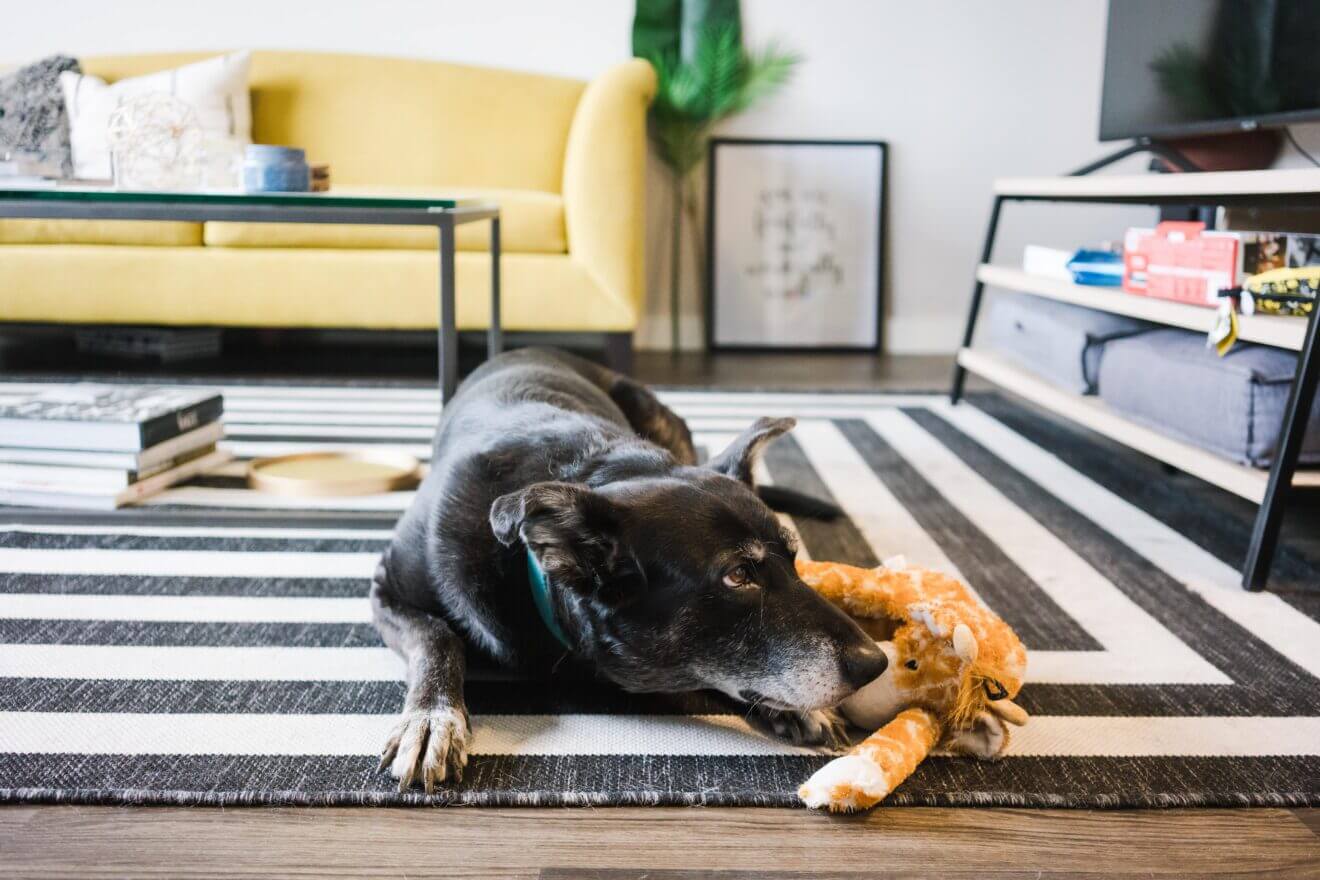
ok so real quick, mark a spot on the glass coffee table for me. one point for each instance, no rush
(444, 213)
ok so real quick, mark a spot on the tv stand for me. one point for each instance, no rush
(1271, 490)
(1141, 145)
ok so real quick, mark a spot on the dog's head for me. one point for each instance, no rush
(687, 581)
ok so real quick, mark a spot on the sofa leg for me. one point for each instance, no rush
(619, 352)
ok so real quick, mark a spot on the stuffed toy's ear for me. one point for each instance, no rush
(964, 643)
(571, 530)
(737, 460)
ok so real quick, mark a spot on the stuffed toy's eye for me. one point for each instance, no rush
(911, 664)
(739, 576)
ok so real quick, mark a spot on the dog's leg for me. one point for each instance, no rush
(652, 420)
(429, 744)
(820, 728)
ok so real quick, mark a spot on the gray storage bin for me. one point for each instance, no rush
(1059, 342)
(1169, 380)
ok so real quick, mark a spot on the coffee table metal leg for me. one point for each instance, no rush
(447, 325)
(494, 335)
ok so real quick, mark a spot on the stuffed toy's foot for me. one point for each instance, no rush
(863, 777)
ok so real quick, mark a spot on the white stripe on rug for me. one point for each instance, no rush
(273, 428)
(189, 563)
(1265, 615)
(129, 528)
(337, 417)
(878, 515)
(713, 735)
(211, 609)
(271, 448)
(1149, 650)
(200, 663)
(206, 496)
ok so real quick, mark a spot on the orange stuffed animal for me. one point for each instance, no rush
(954, 668)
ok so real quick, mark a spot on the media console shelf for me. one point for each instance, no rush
(1274, 189)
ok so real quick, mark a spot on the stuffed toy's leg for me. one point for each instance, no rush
(876, 766)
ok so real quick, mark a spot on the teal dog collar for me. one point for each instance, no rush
(541, 597)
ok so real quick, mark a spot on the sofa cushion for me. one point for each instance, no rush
(530, 222)
(151, 233)
(298, 287)
(1169, 380)
(1058, 341)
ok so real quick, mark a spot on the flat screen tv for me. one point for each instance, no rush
(1175, 68)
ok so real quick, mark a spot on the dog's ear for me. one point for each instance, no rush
(737, 460)
(572, 531)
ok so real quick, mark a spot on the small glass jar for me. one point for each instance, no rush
(268, 168)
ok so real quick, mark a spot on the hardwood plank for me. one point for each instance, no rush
(915, 874)
(349, 842)
(1310, 817)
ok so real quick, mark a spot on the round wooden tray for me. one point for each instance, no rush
(334, 473)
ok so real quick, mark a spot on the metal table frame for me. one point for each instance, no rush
(202, 208)
(1269, 518)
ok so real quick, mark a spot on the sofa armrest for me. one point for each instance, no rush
(605, 179)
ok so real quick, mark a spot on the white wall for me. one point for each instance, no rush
(963, 91)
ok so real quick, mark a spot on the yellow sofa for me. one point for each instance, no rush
(563, 158)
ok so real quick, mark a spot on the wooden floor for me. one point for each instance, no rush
(668, 844)
(652, 843)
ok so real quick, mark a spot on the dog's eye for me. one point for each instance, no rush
(911, 664)
(739, 576)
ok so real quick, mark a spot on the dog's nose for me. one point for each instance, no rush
(863, 664)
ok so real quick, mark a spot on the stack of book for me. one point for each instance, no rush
(102, 446)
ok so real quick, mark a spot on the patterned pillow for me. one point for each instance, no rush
(216, 89)
(32, 115)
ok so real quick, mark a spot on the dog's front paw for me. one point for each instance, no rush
(427, 747)
(819, 728)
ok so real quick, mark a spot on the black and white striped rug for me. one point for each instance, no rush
(214, 645)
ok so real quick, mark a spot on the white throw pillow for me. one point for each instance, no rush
(217, 90)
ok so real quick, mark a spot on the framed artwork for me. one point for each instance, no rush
(795, 245)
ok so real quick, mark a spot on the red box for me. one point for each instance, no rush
(1181, 261)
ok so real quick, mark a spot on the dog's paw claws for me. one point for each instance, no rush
(427, 748)
(825, 729)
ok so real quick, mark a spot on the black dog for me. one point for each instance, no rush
(662, 575)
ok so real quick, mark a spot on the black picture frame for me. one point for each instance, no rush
(712, 293)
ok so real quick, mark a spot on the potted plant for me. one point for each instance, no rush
(705, 75)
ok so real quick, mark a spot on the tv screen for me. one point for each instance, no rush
(1183, 67)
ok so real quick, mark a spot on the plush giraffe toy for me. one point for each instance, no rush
(954, 668)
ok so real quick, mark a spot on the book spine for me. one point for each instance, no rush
(171, 425)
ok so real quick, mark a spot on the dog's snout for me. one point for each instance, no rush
(863, 664)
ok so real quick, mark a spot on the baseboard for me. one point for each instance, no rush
(904, 334)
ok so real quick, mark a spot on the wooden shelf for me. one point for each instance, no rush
(1095, 414)
(1275, 330)
(1299, 181)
